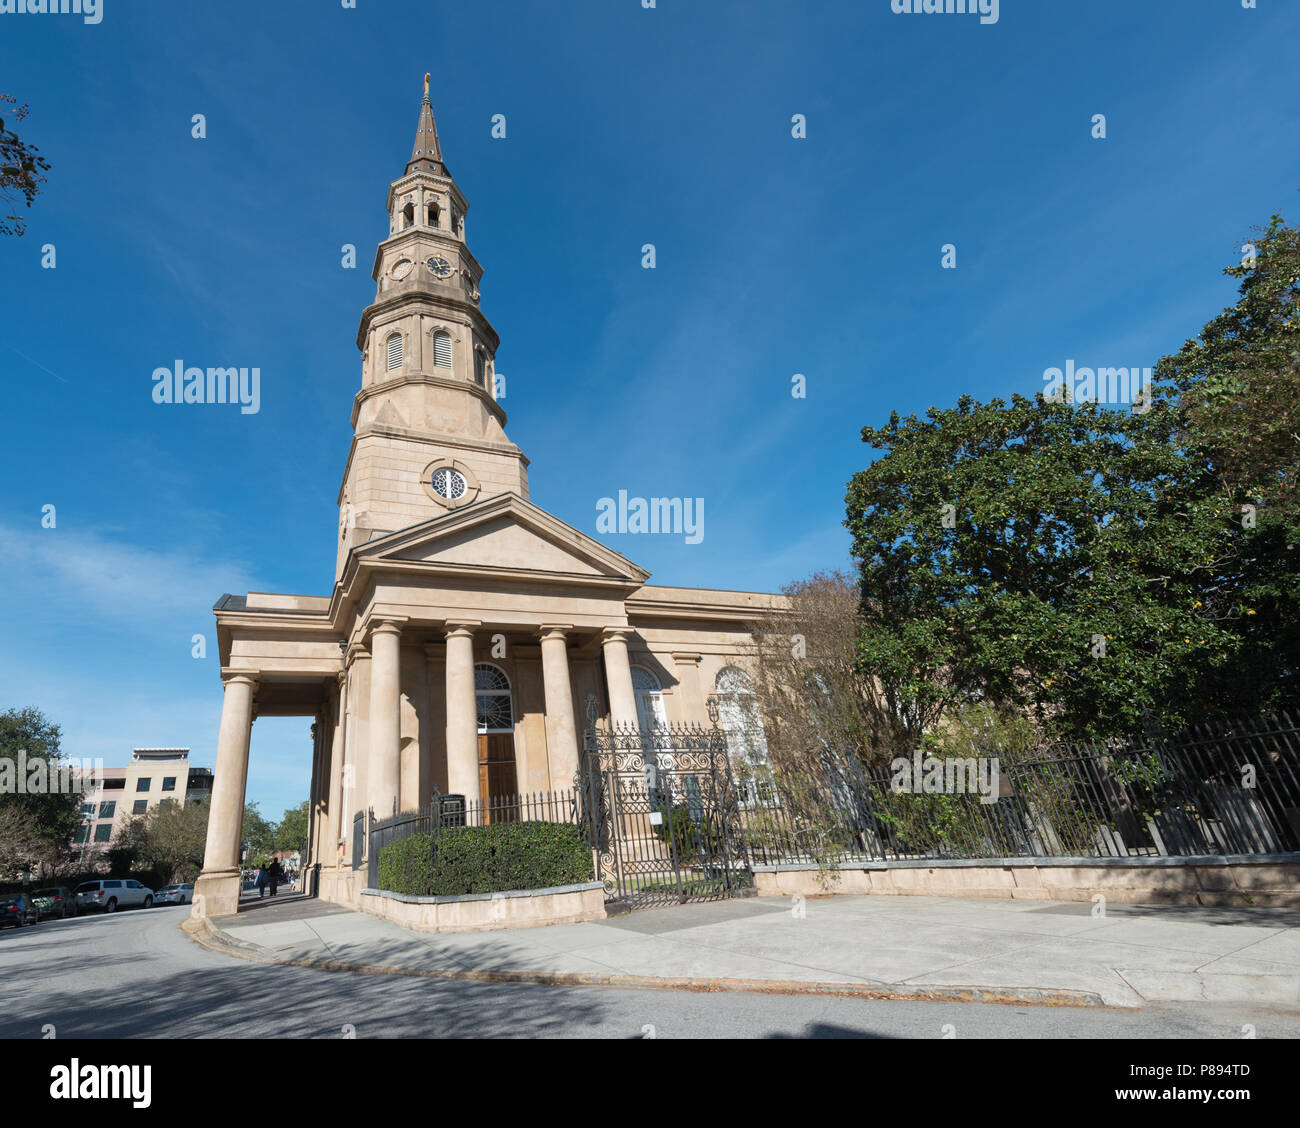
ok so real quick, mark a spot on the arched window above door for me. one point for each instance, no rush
(493, 698)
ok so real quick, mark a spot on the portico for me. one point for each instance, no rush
(467, 628)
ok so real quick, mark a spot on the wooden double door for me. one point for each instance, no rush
(498, 780)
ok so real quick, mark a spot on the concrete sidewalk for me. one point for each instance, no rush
(878, 947)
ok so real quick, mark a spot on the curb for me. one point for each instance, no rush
(205, 933)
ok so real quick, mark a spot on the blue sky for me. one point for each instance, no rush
(625, 126)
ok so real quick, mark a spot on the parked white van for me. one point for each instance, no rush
(112, 894)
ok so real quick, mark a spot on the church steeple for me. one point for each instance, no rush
(429, 428)
(426, 153)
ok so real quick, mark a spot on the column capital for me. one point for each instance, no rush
(554, 630)
(462, 628)
(615, 634)
(385, 624)
(246, 677)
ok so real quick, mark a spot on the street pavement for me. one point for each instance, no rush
(137, 974)
(905, 947)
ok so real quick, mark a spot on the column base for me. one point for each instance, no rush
(216, 894)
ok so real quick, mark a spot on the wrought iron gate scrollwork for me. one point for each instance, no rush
(664, 815)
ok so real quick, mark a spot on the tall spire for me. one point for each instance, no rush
(426, 154)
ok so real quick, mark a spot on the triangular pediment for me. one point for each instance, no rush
(503, 535)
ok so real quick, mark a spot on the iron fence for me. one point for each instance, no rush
(664, 816)
(1230, 787)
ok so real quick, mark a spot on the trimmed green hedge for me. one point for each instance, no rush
(487, 859)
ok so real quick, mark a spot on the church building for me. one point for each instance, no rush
(468, 629)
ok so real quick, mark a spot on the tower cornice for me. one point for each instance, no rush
(411, 379)
(414, 234)
(418, 295)
(411, 180)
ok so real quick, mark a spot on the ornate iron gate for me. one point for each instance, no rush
(664, 815)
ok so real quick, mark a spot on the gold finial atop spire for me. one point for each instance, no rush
(426, 84)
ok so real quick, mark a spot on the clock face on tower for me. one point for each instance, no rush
(439, 267)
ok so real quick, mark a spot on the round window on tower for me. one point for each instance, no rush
(449, 483)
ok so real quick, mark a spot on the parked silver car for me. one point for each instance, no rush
(112, 894)
(174, 895)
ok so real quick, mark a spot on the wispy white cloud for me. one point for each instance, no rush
(87, 573)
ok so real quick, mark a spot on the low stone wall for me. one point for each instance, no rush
(478, 912)
(1264, 881)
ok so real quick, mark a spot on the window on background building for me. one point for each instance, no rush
(103, 832)
(169, 783)
(140, 806)
(82, 836)
(441, 349)
(87, 810)
(394, 346)
(480, 368)
(114, 784)
(142, 784)
(107, 810)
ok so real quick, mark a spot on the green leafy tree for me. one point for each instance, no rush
(291, 833)
(22, 168)
(168, 839)
(259, 833)
(1237, 385)
(38, 825)
(1042, 555)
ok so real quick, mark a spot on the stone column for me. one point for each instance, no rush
(462, 712)
(334, 823)
(561, 732)
(216, 893)
(384, 774)
(618, 673)
(314, 803)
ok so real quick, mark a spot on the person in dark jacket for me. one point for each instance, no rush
(274, 872)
